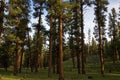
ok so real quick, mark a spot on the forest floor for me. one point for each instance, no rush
(112, 72)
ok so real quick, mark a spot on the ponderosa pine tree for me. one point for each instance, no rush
(100, 9)
(14, 20)
(50, 20)
(18, 18)
(77, 32)
(38, 7)
(23, 27)
(60, 17)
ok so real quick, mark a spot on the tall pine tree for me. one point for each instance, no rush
(100, 9)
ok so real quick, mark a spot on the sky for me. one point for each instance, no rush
(88, 18)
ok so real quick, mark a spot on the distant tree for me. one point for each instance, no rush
(119, 30)
(113, 32)
(94, 47)
(89, 41)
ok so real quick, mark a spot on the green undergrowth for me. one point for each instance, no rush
(112, 72)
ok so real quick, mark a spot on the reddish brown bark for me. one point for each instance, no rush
(17, 59)
(61, 74)
(21, 58)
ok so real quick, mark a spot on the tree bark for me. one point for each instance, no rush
(30, 57)
(21, 58)
(50, 50)
(57, 53)
(61, 75)
(77, 37)
(17, 59)
(82, 38)
(37, 52)
(99, 18)
(78, 61)
(1, 13)
(37, 43)
(101, 49)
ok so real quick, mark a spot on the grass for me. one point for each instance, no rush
(92, 69)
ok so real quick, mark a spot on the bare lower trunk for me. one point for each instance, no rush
(101, 51)
(50, 51)
(36, 62)
(78, 61)
(77, 37)
(17, 59)
(58, 65)
(61, 74)
(54, 61)
(82, 39)
(21, 59)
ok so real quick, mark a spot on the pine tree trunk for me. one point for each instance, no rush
(61, 75)
(1, 13)
(101, 51)
(21, 58)
(37, 43)
(37, 53)
(50, 51)
(54, 56)
(77, 37)
(82, 37)
(114, 46)
(17, 59)
(78, 61)
(58, 60)
(30, 57)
